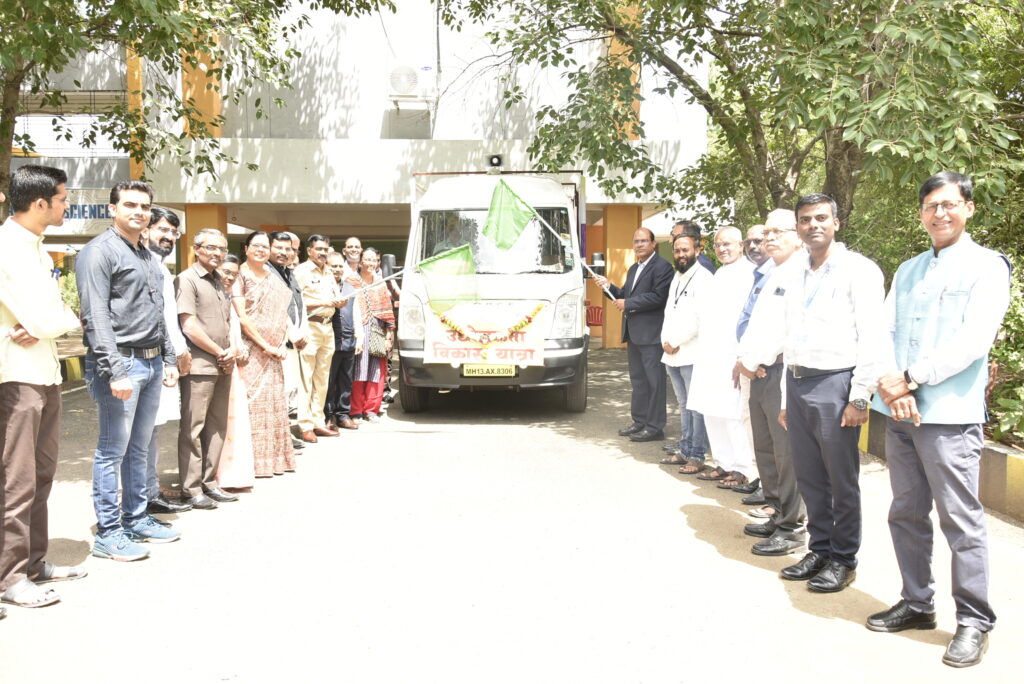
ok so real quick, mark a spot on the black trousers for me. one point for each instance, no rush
(650, 382)
(339, 387)
(827, 463)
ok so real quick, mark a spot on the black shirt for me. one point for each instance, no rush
(121, 290)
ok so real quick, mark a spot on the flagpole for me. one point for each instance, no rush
(544, 223)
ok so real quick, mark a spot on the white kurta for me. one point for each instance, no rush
(721, 304)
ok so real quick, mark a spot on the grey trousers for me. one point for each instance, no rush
(940, 463)
(204, 422)
(771, 451)
(827, 463)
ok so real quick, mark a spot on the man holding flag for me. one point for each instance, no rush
(642, 303)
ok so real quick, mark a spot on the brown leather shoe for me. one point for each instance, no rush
(325, 432)
(309, 436)
(348, 424)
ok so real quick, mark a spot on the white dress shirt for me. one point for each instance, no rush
(29, 296)
(834, 317)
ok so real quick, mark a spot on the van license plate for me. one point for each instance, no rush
(483, 370)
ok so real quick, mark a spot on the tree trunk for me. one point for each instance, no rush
(843, 161)
(8, 117)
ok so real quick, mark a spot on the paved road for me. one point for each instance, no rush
(493, 539)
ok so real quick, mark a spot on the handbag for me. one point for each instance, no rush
(378, 345)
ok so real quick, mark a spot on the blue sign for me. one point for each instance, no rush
(87, 211)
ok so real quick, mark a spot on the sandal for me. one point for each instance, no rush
(732, 479)
(717, 473)
(674, 459)
(27, 595)
(692, 467)
(59, 573)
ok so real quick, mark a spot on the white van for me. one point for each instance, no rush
(524, 325)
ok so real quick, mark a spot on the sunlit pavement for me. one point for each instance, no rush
(494, 538)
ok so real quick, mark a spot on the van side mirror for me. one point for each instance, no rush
(387, 264)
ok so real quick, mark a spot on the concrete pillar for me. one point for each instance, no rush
(620, 222)
(133, 86)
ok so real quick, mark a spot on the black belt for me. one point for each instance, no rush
(150, 353)
(800, 372)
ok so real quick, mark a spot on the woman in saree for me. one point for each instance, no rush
(261, 301)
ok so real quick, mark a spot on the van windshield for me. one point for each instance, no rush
(536, 250)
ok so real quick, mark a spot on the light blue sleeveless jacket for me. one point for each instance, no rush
(932, 295)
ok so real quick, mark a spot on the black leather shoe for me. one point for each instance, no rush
(765, 529)
(647, 436)
(631, 430)
(967, 647)
(809, 566)
(749, 487)
(780, 543)
(220, 496)
(297, 444)
(833, 577)
(671, 448)
(161, 504)
(900, 617)
(202, 502)
(755, 499)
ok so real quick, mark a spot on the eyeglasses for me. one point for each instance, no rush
(753, 241)
(174, 232)
(212, 249)
(263, 247)
(947, 206)
(773, 233)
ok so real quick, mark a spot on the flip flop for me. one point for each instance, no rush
(59, 573)
(675, 459)
(717, 473)
(692, 467)
(27, 595)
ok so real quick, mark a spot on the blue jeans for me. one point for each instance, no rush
(126, 428)
(694, 441)
(152, 455)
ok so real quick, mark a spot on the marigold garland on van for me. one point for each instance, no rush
(487, 339)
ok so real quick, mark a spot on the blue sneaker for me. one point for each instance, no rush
(117, 546)
(148, 529)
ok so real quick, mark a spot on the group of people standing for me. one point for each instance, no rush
(775, 360)
(220, 347)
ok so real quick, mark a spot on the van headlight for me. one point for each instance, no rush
(566, 319)
(411, 324)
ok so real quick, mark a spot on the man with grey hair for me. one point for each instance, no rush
(760, 360)
(715, 394)
(204, 309)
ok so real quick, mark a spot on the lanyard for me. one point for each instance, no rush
(683, 291)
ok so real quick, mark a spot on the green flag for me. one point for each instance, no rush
(507, 217)
(450, 278)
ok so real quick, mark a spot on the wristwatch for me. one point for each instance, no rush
(860, 404)
(911, 384)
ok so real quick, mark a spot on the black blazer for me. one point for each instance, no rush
(645, 301)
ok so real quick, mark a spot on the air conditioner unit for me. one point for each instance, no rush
(412, 82)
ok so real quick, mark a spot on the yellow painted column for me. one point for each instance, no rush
(203, 91)
(595, 295)
(620, 222)
(133, 85)
(197, 217)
